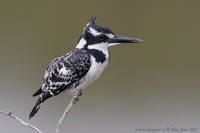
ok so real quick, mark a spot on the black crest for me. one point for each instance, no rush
(92, 21)
(91, 38)
(92, 24)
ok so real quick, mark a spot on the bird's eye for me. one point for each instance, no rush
(103, 37)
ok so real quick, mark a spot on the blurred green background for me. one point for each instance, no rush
(154, 84)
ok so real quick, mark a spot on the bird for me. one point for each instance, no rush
(77, 69)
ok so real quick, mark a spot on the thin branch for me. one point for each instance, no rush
(20, 120)
(75, 98)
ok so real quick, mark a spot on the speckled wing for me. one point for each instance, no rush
(60, 74)
(64, 71)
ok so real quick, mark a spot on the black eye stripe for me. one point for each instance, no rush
(102, 37)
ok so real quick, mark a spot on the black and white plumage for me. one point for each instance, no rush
(80, 67)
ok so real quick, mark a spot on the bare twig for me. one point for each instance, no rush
(20, 120)
(75, 98)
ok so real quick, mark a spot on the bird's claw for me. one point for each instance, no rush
(79, 92)
(76, 97)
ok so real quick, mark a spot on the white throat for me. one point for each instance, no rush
(103, 47)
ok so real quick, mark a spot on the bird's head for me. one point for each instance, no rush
(95, 36)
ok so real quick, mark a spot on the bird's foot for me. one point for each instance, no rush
(79, 92)
(76, 97)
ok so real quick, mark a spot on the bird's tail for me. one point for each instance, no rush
(43, 97)
(36, 107)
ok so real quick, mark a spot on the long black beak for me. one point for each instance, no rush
(123, 39)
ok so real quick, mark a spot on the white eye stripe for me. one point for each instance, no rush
(109, 35)
(94, 32)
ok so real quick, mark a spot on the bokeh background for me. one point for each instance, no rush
(155, 84)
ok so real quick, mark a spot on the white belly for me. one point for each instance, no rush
(94, 72)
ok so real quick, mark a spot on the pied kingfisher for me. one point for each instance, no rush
(83, 65)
